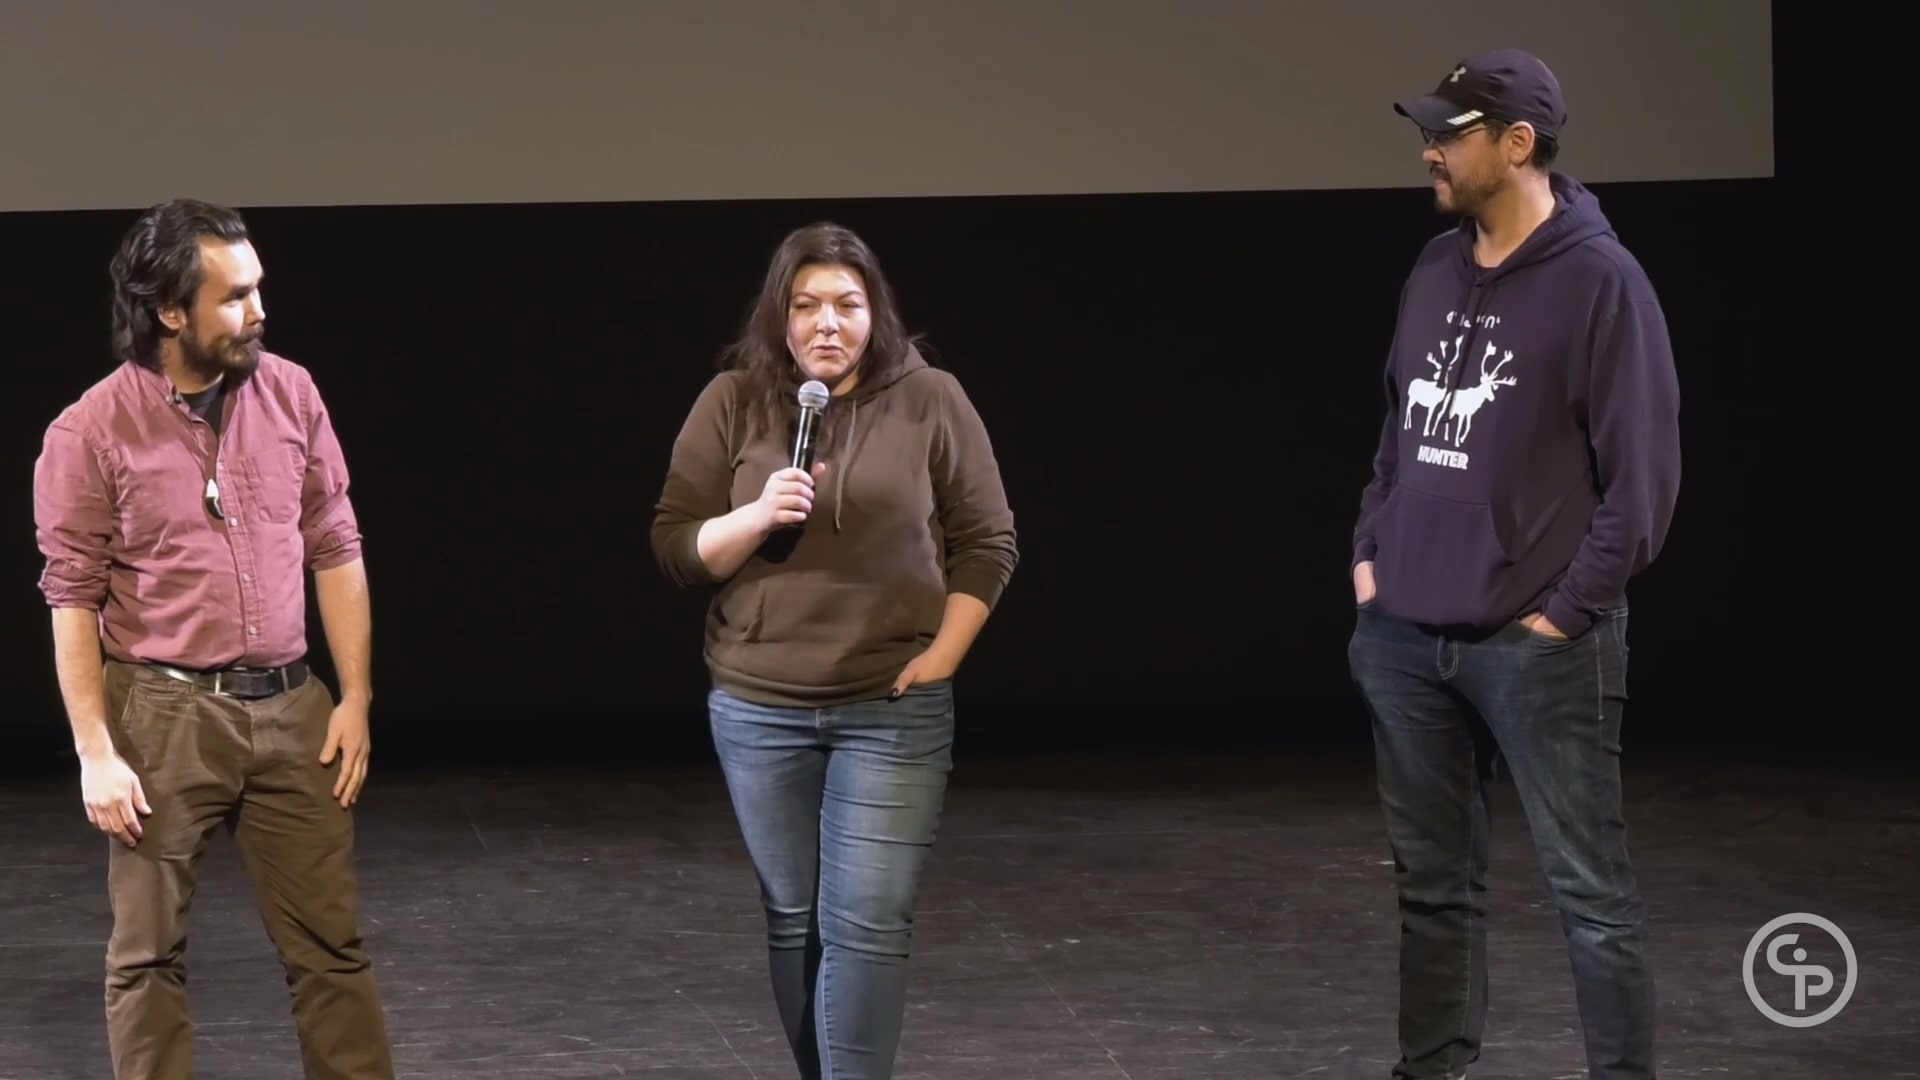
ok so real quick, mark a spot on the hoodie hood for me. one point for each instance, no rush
(867, 388)
(1576, 219)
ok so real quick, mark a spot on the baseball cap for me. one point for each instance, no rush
(1508, 85)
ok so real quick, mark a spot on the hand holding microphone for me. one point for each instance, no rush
(787, 498)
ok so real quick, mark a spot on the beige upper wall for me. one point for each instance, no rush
(276, 102)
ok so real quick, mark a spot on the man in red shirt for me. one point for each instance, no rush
(179, 504)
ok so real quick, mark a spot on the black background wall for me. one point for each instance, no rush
(1163, 376)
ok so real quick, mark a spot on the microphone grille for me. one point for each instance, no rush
(813, 394)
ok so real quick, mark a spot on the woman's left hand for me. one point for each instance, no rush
(930, 666)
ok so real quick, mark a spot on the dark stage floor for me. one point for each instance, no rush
(1142, 918)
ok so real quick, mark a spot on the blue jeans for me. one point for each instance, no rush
(839, 808)
(1445, 710)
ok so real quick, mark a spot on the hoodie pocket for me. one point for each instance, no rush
(1439, 560)
(812, 611)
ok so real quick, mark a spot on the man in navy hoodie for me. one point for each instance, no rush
(1527, 470)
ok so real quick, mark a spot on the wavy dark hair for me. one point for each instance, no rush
(158, 266)
(772, 374)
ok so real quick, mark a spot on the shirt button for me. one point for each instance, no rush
(254, 630)
(246, 577)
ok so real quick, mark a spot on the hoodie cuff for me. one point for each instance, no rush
(979, 580)
(684, 557)
(1364, 549)
(1566, 618)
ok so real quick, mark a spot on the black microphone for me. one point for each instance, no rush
(813, 400)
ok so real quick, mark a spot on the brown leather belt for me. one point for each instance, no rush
(242, 682)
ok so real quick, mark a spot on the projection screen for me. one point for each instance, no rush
(460, 101)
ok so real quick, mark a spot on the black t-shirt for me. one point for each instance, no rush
(206, 404)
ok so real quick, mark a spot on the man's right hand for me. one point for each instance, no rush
(1363, 587)
(113, 797)
(788, 497)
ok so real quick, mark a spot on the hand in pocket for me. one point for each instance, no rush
(1364, 589)
(1538, 623)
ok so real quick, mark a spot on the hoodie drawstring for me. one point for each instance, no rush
(1470, 331)
(1477, 301)
(840, 480)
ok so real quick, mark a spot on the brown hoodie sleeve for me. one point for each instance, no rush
(971, 502)
(699, 476)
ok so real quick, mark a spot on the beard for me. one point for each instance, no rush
(234, 356)
(1460, 199)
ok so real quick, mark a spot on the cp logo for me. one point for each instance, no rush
(1809, 980)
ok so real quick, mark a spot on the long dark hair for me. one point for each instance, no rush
(772, 374)
(158, 266)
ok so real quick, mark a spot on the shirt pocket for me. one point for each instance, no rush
(274, 480)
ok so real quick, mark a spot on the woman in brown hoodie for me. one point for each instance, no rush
(844, 598)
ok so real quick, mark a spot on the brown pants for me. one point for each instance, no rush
(204, 760)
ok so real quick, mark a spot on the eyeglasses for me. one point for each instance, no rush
(1442, 139)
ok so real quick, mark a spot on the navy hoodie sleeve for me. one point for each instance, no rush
(1386, 459)
(1633, 423)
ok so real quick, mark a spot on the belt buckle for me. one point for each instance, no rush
(276, 682)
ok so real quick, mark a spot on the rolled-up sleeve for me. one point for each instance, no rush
(328, 525)
(72, 517)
